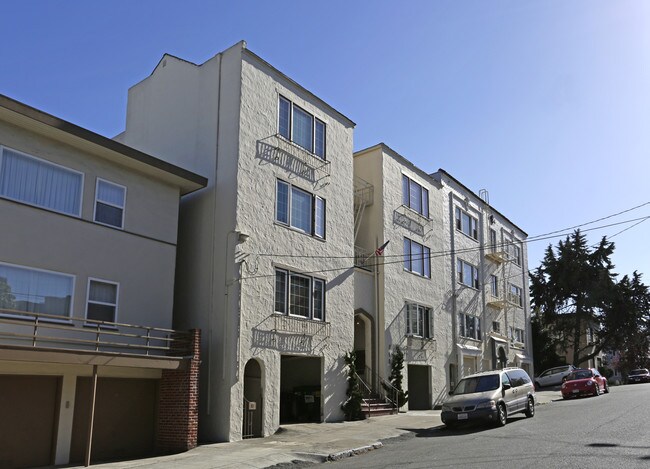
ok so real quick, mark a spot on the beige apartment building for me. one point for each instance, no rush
(87, 260)
(266, 252)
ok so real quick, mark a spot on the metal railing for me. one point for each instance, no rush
(25, 329)
(375, 385)
(294, 325)
(249, 413)
(291, 155)
(364, 259)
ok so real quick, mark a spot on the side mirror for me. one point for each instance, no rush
(506, 386)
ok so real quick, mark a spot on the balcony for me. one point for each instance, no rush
(278, 150)
(496, 255)
(56, 339)
(364, 259)
(305, 327)
(496, 302)
(412, 220)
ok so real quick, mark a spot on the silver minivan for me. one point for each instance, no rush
(490, 396)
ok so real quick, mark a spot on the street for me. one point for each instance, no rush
(610, 430)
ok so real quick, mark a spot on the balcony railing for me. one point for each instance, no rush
(47, 331)
(364, 259)
(278, 150)
(294, 325)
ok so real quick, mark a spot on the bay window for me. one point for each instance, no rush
(299, 295)
(419, 321)
(417, 258)
(302, 128)
(467, 274)
(300, 209)
(469, 326)
(466, 223)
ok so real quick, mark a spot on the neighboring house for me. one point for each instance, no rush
(399, 297)
(266, 251)
(587, 342)
(87, 259)
(452, 286)
(488, 297)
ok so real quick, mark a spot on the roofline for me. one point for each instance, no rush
(97, 139)
(295, 83)
(440, 170)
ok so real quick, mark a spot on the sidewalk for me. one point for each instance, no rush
(313, 442)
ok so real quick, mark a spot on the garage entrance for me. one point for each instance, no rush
(125, 417)
(419, 379)
(28, 417)
(300, 389)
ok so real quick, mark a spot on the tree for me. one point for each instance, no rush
(352, 406)
(396, 377)
(7, 299)
(571, 291)
(544, 348)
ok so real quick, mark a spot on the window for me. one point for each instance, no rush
(35, 291)
(299, 126)
(300, 209)
(516, 295)
(109, 203)
(419, 321)
(496, 327)
(415, 196)
(467, 274)
(466, 223)
(469, 326)
(493, 240)
(516, 335)
(494, 286)
(515, 253)
(299, 295)
(102, 300)
(417, 258)
(37, 182)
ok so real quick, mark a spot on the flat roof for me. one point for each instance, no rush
(186, 180)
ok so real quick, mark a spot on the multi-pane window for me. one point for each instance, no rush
(102, 300)
(299, 295)
(515, 295)
(417, 258)
(516, 335)
(469, 326)
(467, 274)
(496, 327)
(35, 291)
(466, 223)
(515, 253)
(419, 321)
(302, 128)
(41, 183)
(300, 209)
(493, 240)
(415, 196)
(494, 286)
(109, 203)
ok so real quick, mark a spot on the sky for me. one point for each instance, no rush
(546, 104)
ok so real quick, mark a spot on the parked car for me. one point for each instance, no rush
(490, 396)
(584, 382)
(641, 375)
(553, 376)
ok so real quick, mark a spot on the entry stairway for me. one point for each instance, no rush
(379, 396)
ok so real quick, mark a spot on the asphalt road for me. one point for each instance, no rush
(611, 430)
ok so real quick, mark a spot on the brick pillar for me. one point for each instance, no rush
(178, 399)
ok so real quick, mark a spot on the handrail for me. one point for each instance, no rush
(26, 329)
(381, 387)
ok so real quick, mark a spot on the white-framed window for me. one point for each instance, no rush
(419, 321)
(469, 326)
(26, 178)
(29, 290)
(301, 127)
(299, 295)
(102, 299)
(417, 258)
(494, 286)
(515, 253)
(516, 335)
(110, 200)
(300, 209)
(496, 327)
(415, 196)
(467, 273)
(466, 223)
(515, 295)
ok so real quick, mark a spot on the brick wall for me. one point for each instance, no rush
(178, 418)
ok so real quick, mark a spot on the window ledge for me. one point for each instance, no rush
(466, 235)
(416, 274)
(299, 231)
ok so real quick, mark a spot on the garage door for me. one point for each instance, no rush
(125, 413)
(28, 416)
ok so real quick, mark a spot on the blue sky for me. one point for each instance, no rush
(546, 104)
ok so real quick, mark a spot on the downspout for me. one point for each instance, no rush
(454, 293)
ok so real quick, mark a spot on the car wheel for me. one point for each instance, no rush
(596, 389)
(530, 409)
(502, 415)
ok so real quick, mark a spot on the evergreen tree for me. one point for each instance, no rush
(396, 377)
(352, 406)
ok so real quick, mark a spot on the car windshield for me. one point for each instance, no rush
(477, 384)
(641, 371)
(582, 374)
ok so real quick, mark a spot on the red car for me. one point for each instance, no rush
(584, 382)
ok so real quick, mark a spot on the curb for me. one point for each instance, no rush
(353, 452)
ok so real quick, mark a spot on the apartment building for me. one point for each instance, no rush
(450, 288)
(265, 251)
(489, 296)
(87, 259)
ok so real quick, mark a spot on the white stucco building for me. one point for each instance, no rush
(265, 252)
